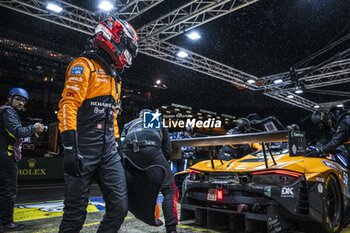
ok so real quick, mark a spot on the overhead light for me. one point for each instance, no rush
(182, 54)
(278, 81)
(340, 105)
(193, 36)
(158, 82)
(290, 96)
(251, 81)
(298, 91)
(105, 5)
(317, 106)
(54, 7)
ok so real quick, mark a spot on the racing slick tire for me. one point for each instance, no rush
(332, 217)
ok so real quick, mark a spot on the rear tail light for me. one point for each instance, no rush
(282, 177)
(219, 194)
(196, 175)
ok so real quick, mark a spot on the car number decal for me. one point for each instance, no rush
(211, 195)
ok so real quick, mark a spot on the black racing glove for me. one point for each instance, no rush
(73, 162)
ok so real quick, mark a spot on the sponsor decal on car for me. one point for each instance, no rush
(294, 149)
(211, 195)
(320, 188)
(287, 192)
(267, 191)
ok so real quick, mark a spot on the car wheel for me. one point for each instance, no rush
(334, 206)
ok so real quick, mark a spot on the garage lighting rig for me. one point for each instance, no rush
(155, 34)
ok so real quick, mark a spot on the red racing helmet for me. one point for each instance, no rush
(118, 39)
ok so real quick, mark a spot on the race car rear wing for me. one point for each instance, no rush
(296, 139)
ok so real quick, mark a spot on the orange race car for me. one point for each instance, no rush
(280, 187)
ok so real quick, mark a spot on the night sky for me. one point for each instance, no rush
(264, 38)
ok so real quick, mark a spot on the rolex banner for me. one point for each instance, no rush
(35, 168)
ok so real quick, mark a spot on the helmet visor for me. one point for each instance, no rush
(128, 58)
(132, 47)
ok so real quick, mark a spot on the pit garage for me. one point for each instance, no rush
(251, 92)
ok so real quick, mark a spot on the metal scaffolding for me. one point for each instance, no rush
(167, 52)
(135, 8)
(331, 74)
(191, 15)
(75, 17)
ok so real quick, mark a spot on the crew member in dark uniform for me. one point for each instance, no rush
(323, 129)
(148, 148)
(340, 122)
(11, 131)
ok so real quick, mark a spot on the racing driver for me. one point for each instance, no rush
(88, 126)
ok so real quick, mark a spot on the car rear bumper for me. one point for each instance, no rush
(276, 206)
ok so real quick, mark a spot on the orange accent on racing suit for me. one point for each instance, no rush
(89, 101)
(88, 107)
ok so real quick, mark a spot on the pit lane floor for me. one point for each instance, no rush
(48, 222)
(130, 225)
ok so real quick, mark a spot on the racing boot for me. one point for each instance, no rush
(158, 222)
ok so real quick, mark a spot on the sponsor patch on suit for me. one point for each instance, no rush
(77, 70)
